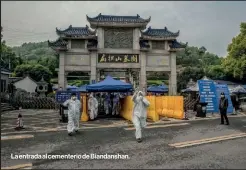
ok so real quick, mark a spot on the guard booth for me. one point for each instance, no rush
(61, 97)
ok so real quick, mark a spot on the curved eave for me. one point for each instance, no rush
(63, 34)
(181, 46)
(59, 48)
(91, 31)
(160, 38)
(54, 45)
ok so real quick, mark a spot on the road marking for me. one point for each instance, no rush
(22, 132)
(16, 137)
(59, 129)
(207, 140)
(157, 126)
(21, 166)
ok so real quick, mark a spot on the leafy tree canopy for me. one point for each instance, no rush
(235, 62)
(35, 71)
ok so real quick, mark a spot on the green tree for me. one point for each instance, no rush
(8, 57)
(235, 62)
(35, 71)
(216, 72)
(187, 74)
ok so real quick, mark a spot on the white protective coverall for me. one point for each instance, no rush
(92, 107)
(74, 112)
(116, 105)
(107, 104)
(139, 113)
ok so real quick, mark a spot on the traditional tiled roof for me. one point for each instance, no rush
(159, 33)
(176, 45)
(125, 20)
(58, 44)
(113, 18)
(76, 32)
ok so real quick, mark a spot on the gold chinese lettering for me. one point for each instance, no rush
(126, 59)
(118, 59)
(103, 59)
(109, 59)
(134, 59)
(112, 58)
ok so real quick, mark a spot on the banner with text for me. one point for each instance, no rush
(62, 96)
(208, 94)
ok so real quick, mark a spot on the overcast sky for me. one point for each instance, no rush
(209, 24)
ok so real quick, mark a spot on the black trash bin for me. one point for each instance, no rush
(201, 109)
(64, 113)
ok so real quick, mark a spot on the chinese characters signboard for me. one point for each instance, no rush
(62, 96)
(118, 58)
(208, 94)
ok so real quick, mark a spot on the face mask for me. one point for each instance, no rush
(73, 98)
(222, 96)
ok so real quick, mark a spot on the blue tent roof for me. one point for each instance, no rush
(163, 87)
(157, 89)
(109, 84)
(82, 88)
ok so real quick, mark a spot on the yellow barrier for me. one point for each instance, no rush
(84, 115)
(127, 108)
(152, 113)
(158, 104)
(164, 106)
(179, 108)
(170, 106)
(173, 107)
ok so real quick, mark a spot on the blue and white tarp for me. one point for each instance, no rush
(208, 94)
(62, 96)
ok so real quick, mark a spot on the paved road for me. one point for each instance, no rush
(154, 152)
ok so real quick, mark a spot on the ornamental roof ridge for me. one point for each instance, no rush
(117, 18)
(76, 31)
(160, 32)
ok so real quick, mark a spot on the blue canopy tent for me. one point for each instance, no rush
(157, 89)
(109, 85)
(164, 87)
(186, 90)
(71, 88)
(239, 90)
(82, 88)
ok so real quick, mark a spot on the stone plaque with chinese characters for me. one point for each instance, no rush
(77, 60)
(158, 60)
(118, 38)
(118, 58)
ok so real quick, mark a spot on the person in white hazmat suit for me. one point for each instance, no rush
(92, 107)
(74, 112)
(139, 113)
(116, 104)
